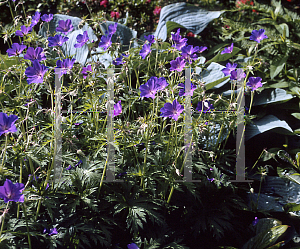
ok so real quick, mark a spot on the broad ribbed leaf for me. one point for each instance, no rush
(189, 16)
(269, 96)
(291, 207)
(267, 123)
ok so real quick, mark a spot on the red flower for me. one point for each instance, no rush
(148, 1)
(115, 14)
(157, 10)
(104, 3)
(190, 34)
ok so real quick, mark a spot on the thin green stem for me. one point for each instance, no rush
(28, 234)
(4, 213)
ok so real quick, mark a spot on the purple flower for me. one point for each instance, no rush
(211, 179)
(201, 49)
(178, 64)
(150, 38)
(229, 67)
(47, 18)
(35, 54)
(188, 53)
(105, 42)
(182, 90)
(178, 40)
(132, 246)
(81, 39)
(146, 49)
(51, 231)
(119, 60)
(172, 110)
(85, 70)
(12, 192)
(69, 167)
(254, 83)
(149, 89)
(35, 19)
(161, 83)
(255, 221)
(237, 75)
(36, 73)
(111, 29)
(117, 109)
(65, 65)
(7, 123)
(15, 49)
(204, 106)
(258, 35)
(57, 40)
(64, 26)
(228, 50)
(24, 31)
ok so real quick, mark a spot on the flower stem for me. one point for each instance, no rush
(2, 225)
(28, 234)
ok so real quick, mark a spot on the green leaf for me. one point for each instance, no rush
(224, 57)
(294, 45)
(277, 66)
(296, 115)
(291, 207)
(214, 83)
(171, 26)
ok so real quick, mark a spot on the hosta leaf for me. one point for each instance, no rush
(267, 123)
(189, 16)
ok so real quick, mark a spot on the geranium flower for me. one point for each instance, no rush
(105, 42)
(150, 38)
(172, 110)
(150, 88)
(81, 39)
(15, 49)
(65, 65)
(85, 70)
(51, 231)
(64, 26)
(254, 83)
(178, 40)
(36, 73)
(237, 75)
(12, 192)
(161, 83)
(201, 49)
(35, 19)
(57, 40)
(111, 29)
(104, 3)
(7, 123)
(229, 67)
(228, 50)
(178, 64)
(258, 35)
(117, 109)
(115, 14)
(188, 53)
(35, 54)
(204, 106)
(119, 60)
(132, 246)
(146, 49)
(182, 90)
(24, 31)
(157, 10)
(47, 18)
(255, 221)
